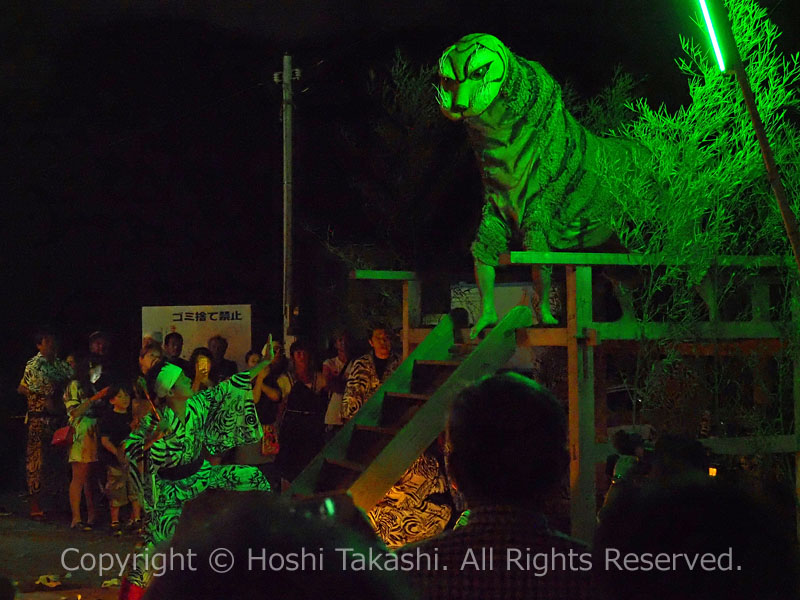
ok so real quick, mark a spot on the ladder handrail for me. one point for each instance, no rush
(428, 422)
(435, 346)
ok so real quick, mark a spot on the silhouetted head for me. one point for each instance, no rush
(748, 553)
(507, 440)
(278, 552)
(173, 344)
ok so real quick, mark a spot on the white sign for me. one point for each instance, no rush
(197, 323)
(506, 297)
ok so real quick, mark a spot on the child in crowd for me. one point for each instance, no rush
(81, 409)
(115, 427)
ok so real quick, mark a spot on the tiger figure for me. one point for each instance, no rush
(540, 168)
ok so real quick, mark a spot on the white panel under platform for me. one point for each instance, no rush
(507, 296)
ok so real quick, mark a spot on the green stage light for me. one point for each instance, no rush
(713, 35)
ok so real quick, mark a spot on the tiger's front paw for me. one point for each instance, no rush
(487, 319)
(547, 317)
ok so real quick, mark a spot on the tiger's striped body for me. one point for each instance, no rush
(541, 169)
(539, 165)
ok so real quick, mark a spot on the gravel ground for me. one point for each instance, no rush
(32, 549)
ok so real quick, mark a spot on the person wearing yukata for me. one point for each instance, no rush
(369, 371)
(411, 510)
(174, 436)
(81, 402)
(42, 384)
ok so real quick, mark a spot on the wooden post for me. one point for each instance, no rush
(601, 397)
(796, 390)
(789, 219)
(580, 379)
(796, 397)
(572, 393)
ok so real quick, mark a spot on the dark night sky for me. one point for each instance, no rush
(141, 140)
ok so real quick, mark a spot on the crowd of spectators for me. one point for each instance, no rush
(505, 457)
(300, 401)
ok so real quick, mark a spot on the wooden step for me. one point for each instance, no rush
(319, 496)
(428, 375)
(438, 363)
(366, 442)
(350, 465)
(325, 472)
(397, 409)
(459, 351)
(408, 410)
(337, 474)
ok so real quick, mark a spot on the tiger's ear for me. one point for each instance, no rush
(510, 80)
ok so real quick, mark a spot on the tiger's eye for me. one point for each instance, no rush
(479, 72)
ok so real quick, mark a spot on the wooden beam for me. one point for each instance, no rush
(659, 331)
(768, 444)
(528, 336)
(542, 336)
(610, 258)
(385, 275)
(765, 338)
(732, 347)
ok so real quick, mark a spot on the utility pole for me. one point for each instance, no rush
(285, 78)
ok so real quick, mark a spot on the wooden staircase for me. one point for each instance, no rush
(406, 414)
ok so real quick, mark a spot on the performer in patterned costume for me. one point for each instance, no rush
(42, 383)
(406, 514)
(172, 441)
(540, 168)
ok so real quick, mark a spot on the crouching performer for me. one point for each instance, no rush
(170, 443)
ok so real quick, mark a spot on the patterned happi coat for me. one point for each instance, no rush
(405, 514)
(218, 418)
(43, 379)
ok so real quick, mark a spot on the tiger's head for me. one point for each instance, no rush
(471, 73)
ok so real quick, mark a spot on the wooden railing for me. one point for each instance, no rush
(581, 335)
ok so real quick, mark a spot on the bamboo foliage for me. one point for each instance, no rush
(708, 195)
(706, 163)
